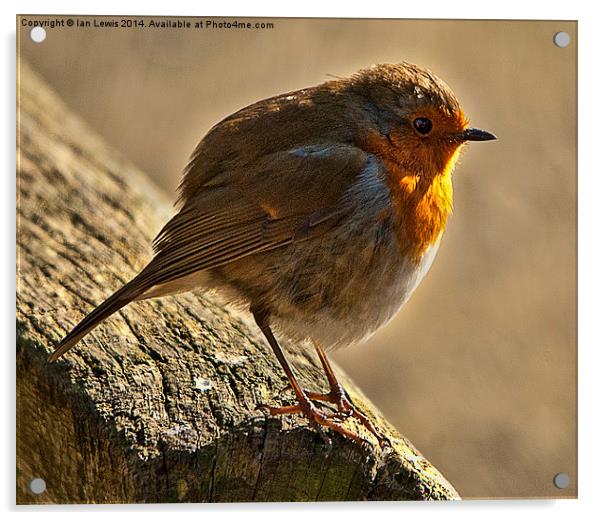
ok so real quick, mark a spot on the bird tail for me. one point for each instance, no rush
(119, 299)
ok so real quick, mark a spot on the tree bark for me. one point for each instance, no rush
(159, 403)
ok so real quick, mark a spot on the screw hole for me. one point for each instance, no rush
(562, 39)
(38, 34)
(562, 480)
(37, 486)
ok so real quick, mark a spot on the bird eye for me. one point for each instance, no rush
(423, 125)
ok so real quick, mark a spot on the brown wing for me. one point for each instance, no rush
(283, 197)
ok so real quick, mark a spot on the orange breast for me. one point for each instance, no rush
(421, 208)
(421, 202)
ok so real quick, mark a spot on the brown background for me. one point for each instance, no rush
(479, 369)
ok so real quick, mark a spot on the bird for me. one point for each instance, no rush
(320, 210)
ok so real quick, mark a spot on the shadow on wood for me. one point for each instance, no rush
(158, 404)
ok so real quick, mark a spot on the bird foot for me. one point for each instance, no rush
(346, 409)
(316, 418)
(332, 420)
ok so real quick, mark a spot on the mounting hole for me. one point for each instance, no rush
(37, 486)
(562, 39)
(562, 480)
(38, 34)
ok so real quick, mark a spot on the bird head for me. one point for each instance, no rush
(417, 120)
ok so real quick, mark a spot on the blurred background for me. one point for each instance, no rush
(479, 369)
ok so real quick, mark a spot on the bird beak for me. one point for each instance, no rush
(474, 134)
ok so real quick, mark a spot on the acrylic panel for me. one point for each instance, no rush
(336, 158)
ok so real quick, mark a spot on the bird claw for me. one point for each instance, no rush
(316, 418)
(320, 419)
(384, 442)
(346, 410)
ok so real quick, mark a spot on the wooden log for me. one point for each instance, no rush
(159, 403)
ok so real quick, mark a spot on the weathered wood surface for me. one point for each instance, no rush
(159, 403)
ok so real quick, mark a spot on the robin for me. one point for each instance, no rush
(321, 209)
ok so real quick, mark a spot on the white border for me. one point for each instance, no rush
(509, 9)
(590, 259)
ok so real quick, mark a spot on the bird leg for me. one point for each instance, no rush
(304, 406)
(338, 397)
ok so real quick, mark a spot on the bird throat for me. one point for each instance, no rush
(421, 201)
